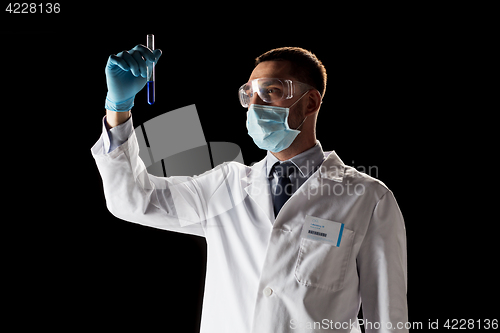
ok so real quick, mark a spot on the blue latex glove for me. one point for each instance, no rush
(126, 75)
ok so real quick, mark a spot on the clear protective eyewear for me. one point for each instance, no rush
(270, 90)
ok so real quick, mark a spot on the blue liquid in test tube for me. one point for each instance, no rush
(151, 72)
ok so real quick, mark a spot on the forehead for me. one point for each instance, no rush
(276, 69)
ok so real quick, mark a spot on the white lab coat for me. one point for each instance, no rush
(262, 277)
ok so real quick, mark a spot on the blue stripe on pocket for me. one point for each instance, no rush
(340, 234)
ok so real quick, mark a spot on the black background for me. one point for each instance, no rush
(403, 96)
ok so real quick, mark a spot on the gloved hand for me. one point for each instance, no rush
(126, 75)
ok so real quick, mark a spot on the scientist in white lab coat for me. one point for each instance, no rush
(296, 242)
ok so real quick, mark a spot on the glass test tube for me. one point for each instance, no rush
(151, 72)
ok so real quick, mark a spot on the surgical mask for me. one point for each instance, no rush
(268, 126)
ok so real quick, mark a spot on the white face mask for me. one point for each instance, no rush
(268, 126)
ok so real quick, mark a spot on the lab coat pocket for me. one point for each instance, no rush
(323, 265)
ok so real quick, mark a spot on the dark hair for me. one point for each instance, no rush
(306, 67)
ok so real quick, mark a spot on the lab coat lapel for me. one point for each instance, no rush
(258, 189)
(309, 194)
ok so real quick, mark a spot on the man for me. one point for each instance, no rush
(297, 241)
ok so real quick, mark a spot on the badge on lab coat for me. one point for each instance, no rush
(322, 230)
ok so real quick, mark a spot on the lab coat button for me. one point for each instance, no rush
(268, 291)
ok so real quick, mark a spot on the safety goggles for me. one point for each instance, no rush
(270, 90)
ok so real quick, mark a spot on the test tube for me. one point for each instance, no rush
(151, 72)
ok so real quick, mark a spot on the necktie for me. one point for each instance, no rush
(283, 189)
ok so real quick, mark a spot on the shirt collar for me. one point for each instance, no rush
(307, 161)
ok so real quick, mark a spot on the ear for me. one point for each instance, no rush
(313, 102)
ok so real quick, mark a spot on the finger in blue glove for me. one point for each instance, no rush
(126, 76)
